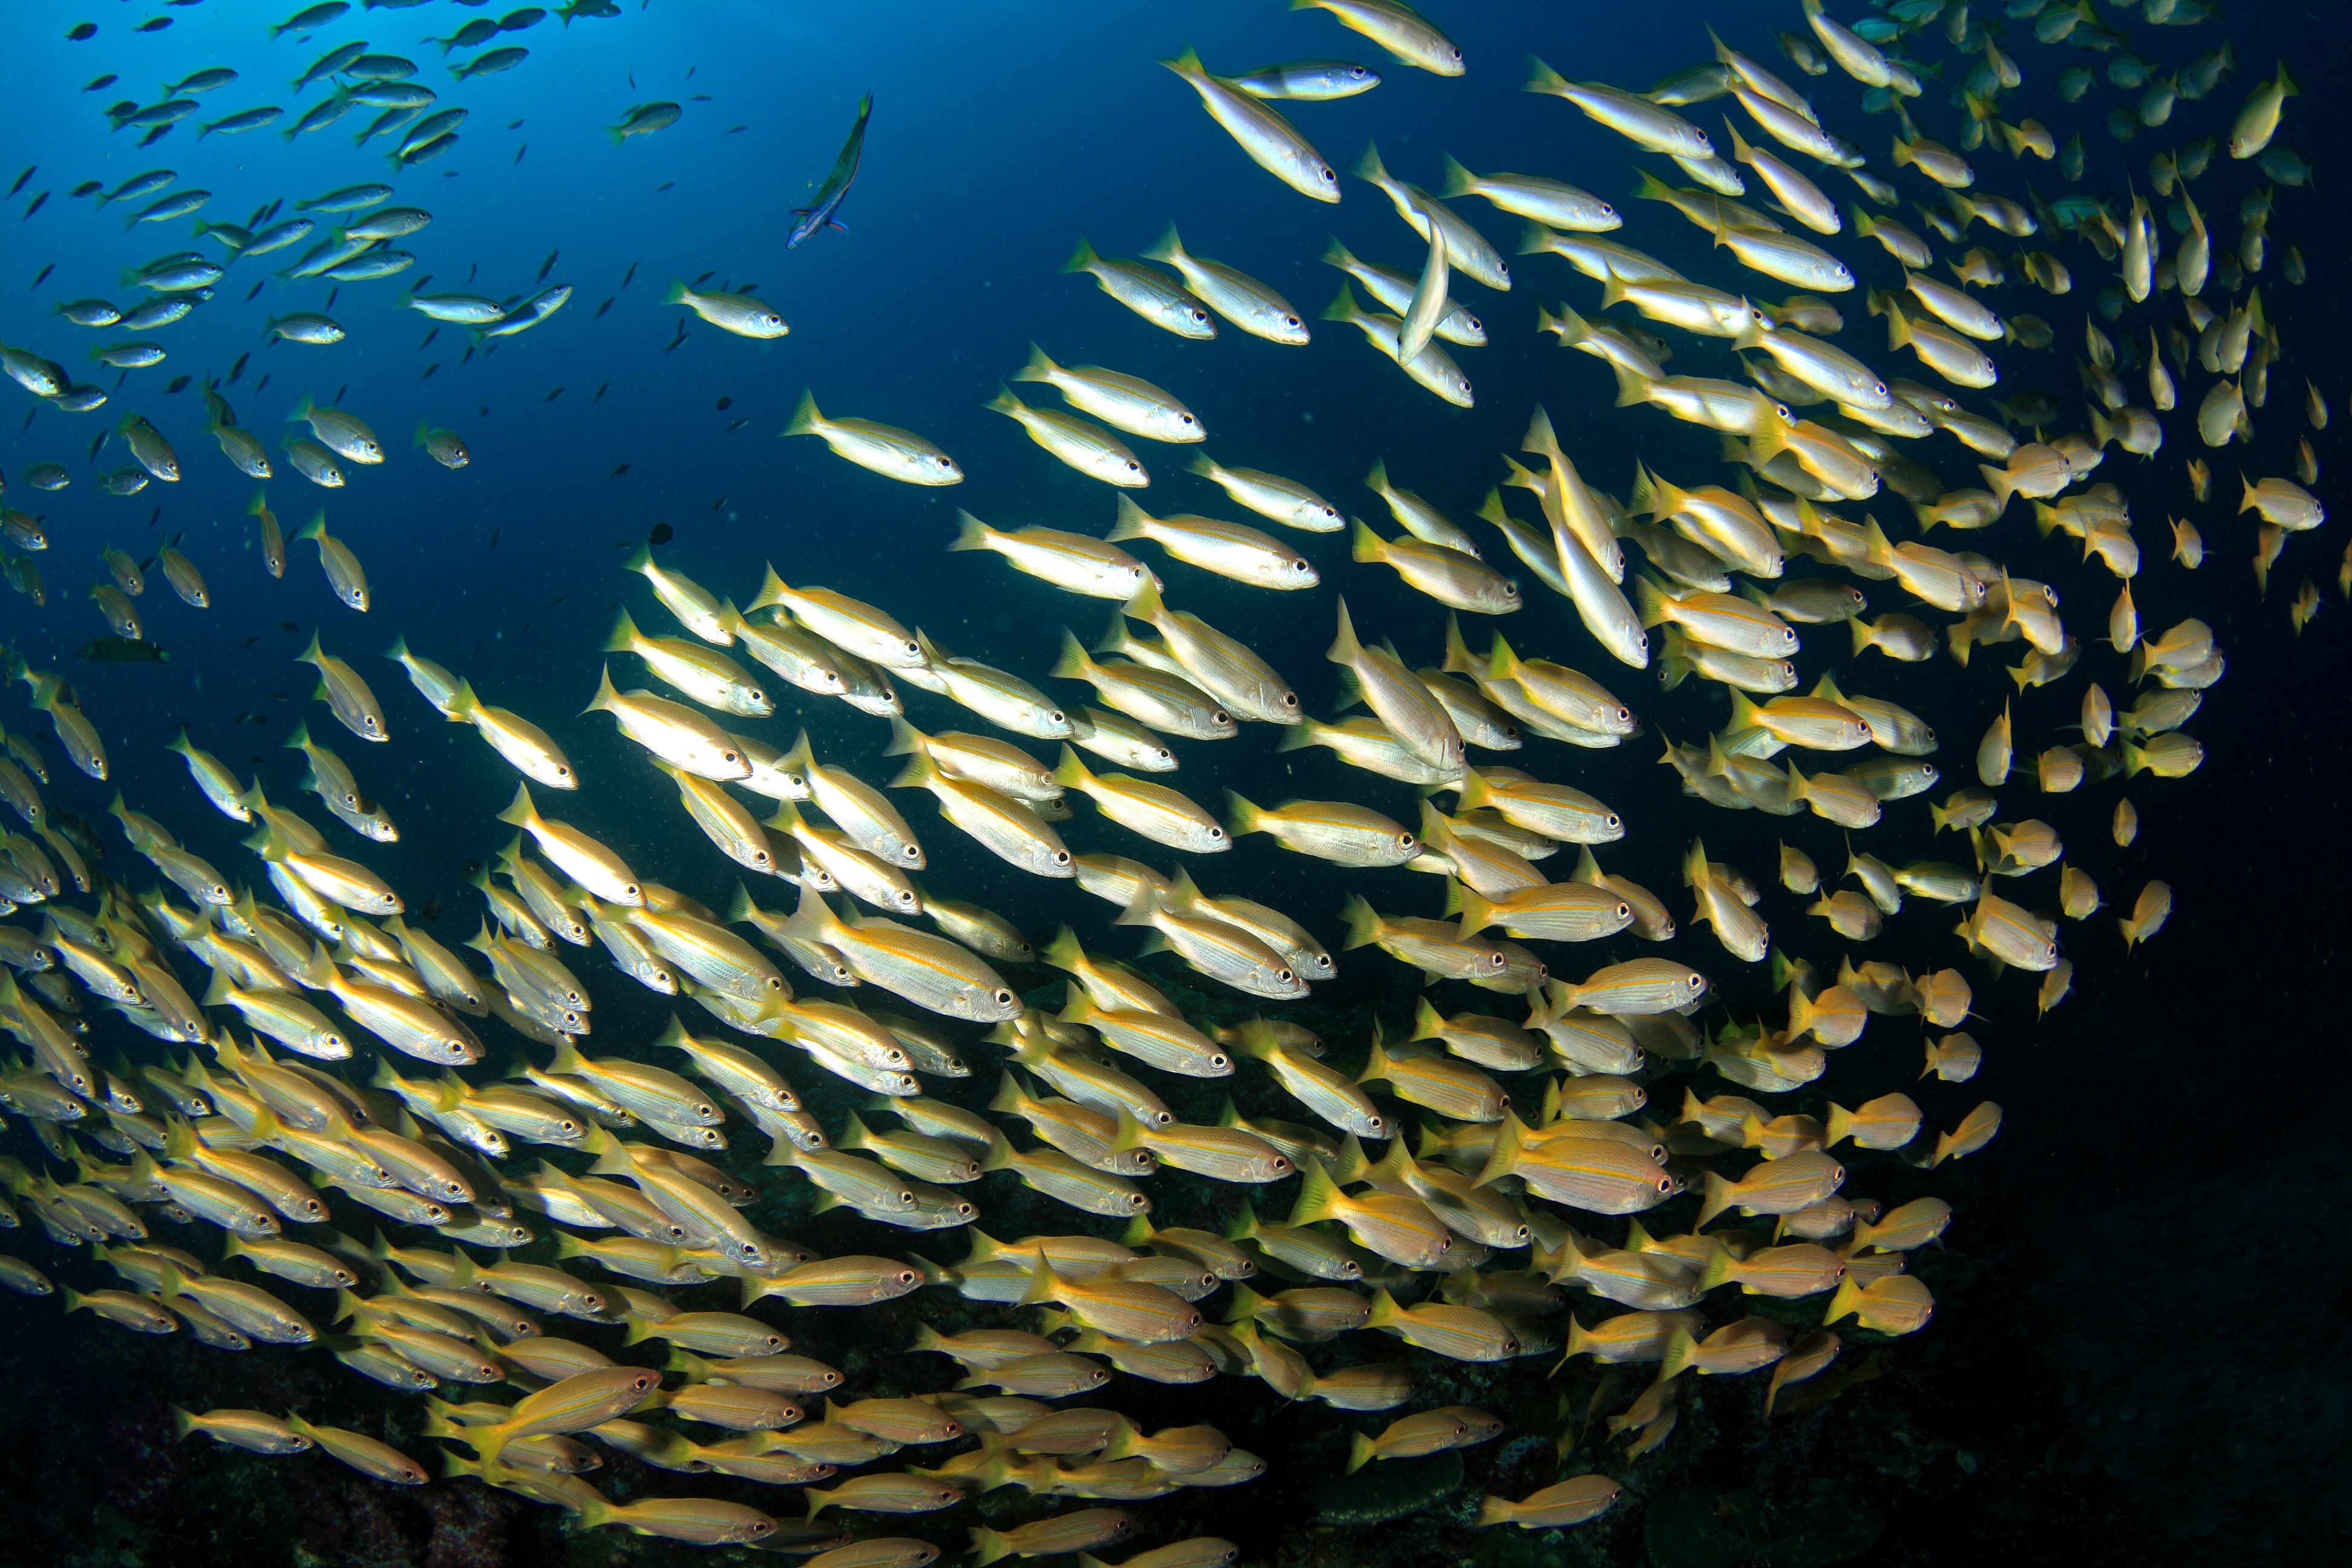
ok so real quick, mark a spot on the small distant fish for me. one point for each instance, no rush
(441, 446)
(489, 64)
(311, 17)
(643, 119)
(122, 650)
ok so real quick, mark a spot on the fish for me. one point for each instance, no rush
(1154, 295)
(2258, 121)
(1430, 218)
(643, 120)
(1088, 448)
(1644, 123)
(1125, 402)
(1075, 563)
(1315, 80)
(1271, 141)
(1555, 1507)
(825, 207)
(737, 313)
(894, 453)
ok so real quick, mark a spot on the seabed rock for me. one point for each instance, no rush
(1387, 1490)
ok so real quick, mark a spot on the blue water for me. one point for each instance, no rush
(1001, 134)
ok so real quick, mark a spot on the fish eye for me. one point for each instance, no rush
(1004, 997)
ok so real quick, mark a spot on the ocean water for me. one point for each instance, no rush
(2134, 1348)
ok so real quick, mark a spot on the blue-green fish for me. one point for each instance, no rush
(819, 213)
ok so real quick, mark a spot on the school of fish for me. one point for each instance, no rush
(277, 1112)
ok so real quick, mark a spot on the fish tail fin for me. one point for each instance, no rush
(1166, 247)
(1241, 814)
(1038, 368)
(1541, 77)
(623, 635)
(1369, 166)
(1345, 649)
(1070, 773)
(606, 699)
(806, 421)
(1318, 1195)
(1477, 912)
(973, 535)
(1541, 438)
(905, 739)
(1564, 321)
(1458, 181)
(1363, 922)
(1145, 604)
(1458, 661)
(1130, 523)
(1188, 63)
(1085, 258)
(1650, 600)
(1005, 403)
(1074, 662)
(1650, 495)
(1632, 386)
(1344, 305)
(1501, 661)
(1535, 240)
(1363, 544)
(1504, 1159)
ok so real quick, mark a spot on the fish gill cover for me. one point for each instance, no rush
(1288, 1017)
